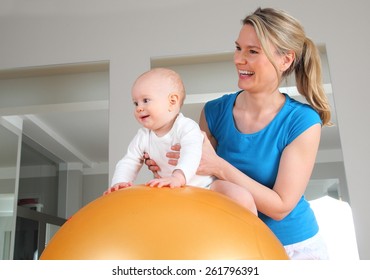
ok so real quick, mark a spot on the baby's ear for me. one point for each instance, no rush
(174, 98)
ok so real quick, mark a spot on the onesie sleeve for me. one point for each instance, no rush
(191, 140)
(129, 166)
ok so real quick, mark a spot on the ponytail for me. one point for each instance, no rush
(309, 80)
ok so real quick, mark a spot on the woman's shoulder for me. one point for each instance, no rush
(297, 108)
(225, 97)
(294, 103)
(296, 118)
(218, 112)
(225, 100)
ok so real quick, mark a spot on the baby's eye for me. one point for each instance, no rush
(146, 100)
(135, 103)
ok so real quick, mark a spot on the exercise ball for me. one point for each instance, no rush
(144, 223)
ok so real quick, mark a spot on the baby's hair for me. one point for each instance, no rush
(175, 82)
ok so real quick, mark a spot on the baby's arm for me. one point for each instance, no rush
(128, 167)
(175, 181)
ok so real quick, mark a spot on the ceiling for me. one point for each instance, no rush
(69, 129)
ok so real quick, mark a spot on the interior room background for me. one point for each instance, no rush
(75, 64)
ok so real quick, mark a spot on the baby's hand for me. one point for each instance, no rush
(117, 187)
(172, 182)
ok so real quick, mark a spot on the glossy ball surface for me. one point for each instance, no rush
(143, 223)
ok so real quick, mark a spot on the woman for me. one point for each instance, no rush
(261, 140)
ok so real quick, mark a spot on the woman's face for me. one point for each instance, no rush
(256, 73)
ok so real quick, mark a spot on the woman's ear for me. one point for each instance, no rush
(287, 60)
(174, 100)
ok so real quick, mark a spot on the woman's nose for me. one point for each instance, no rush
(239, 58)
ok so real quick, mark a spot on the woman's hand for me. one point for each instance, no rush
(173, 158)
(152, 165)
(209, 161)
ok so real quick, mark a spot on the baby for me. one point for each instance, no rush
(158, 96)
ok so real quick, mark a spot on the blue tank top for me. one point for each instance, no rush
(258, 155)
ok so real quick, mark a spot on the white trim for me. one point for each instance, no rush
(55, 136)
(204, 97)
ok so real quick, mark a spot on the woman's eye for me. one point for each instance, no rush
(237, 48)
(253, 51)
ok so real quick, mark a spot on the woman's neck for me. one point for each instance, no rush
(252, 112)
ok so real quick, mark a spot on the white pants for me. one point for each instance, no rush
(313, 248)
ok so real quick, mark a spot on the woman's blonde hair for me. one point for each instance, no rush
(286, 34)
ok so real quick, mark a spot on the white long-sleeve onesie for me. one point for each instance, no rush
(184, 131)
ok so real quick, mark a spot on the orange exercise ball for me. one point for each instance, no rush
(143, 223)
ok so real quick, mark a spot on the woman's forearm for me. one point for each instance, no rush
(266, 199)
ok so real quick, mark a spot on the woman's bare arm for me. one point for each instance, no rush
(295, 169)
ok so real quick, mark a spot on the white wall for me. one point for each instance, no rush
(35, 33)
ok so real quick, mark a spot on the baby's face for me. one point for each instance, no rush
(150, 96)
